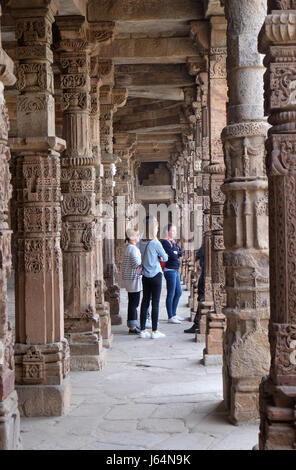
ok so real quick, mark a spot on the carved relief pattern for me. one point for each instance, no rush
(37, 196)
(6, 337)
(78, 182)
(280, 105)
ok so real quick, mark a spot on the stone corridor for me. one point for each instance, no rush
(150, 395)
(112, 110)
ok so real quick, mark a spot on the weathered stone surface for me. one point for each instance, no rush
(41, 351)
(44, 400)
(149, 51)
(246, 352)
(278, 390)
(10, 423)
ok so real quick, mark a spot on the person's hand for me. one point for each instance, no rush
(161, 258)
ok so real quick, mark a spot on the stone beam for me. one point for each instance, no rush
(151, 138)
(135, 10)
(72, 7)
(143, 75)
(173, 94)
(155, 193)
(151, 51)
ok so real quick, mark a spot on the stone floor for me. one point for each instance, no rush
(152, 394)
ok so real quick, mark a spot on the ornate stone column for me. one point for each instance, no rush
(99, 70)
(9, 414)
(41, 351)
(111, 99)
(124, 147)
(246, 351)
(278, 390)
(82, 322)
(216, 169)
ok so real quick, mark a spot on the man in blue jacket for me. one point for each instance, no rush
(171, 273)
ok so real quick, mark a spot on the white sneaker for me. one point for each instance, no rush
(179, 318)
(145, 334)
(173, 320)
(148, 324)
(157, 334)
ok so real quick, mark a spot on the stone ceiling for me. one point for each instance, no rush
(151, 50)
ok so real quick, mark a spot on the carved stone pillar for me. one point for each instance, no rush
(9, 414)
(41, 351)
(217, 120)
(82, 322)
(278, 390)
(208, 303)
(124, 146)
(99, 70)
(246, 352)
(111, 99)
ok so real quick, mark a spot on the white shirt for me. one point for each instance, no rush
(132, 259)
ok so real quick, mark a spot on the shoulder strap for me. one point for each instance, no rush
(171, 243)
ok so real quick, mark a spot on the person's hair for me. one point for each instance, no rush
(168, 228)
(150, 223)
(131, 235)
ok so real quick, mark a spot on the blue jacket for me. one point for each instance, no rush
(174, 253)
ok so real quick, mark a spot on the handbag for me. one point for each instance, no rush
(162, 263)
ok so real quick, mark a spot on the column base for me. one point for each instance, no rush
(116, 320)
(44, 400)
(204, 309)
(212, 359)
(103, 311)
(88, 362)
(107, 343)
(199, 338)
(277, 412)
(192, 315)
(244, 404)
(10, 423)
(214, 337)
(86, 351)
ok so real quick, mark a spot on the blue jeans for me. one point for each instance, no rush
(174, 291)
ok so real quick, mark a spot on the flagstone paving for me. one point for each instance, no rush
(152, 394)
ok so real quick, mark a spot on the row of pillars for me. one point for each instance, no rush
(248, 325)
(66, 289)
(56, 204)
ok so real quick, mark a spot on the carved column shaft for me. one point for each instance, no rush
(82, 324)
(246, 352)
(111, 99)
(207, 304)
(216, 169)
(98, 71)
(9, 415)
(278, 390)
(42, 353)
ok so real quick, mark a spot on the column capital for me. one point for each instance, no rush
(25, 8)
(279, 28)
(200, 34)
(119, 97)
(196, 65)
(76, 32)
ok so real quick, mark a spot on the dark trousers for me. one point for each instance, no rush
(133, 304)
(151, 289)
